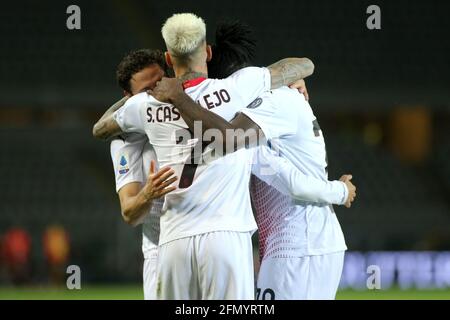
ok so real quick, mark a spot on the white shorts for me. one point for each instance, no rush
(149, 274)
(211, 266)
(310, 277)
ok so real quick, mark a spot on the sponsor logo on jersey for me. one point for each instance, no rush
(123, 164)
(255, 104)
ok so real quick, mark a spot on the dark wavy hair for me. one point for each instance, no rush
(134, 62)
(234, 49)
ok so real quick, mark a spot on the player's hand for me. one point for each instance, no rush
(300, 85)
(351, 189)
(167, 89)
(159, 183)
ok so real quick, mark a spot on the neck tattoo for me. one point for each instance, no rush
(192, 75)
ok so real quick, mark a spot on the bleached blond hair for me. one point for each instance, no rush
(183, 33)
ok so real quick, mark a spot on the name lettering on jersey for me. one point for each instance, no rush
(123, 164)
(166, 113)
(216, 99)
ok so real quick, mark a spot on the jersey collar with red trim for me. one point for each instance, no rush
(193, 82)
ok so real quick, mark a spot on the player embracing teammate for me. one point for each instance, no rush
(205, 247)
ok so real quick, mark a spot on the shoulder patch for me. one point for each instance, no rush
(255, 104)
(123, 168)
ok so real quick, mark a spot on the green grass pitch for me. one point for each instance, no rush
(134, 292)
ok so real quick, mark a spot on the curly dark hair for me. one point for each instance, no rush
(134, 62)
(234, 49)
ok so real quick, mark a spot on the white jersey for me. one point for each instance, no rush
(210, 197)
(131, 156)
(288, 227)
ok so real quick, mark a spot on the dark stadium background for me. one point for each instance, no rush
(382, 98)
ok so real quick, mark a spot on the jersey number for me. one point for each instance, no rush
(268, 294)
(188, 173)
(316, 130)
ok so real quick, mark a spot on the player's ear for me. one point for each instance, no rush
(208, 53)
(168, 59)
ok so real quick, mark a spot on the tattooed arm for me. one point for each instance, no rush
(289, 70)
(106, 127)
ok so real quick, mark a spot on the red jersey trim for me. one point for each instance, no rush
(193, 82)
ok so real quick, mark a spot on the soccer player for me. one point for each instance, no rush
(301, 243)
(140, 189)
(205, 242)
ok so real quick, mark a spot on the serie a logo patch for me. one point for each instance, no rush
(123, 164)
